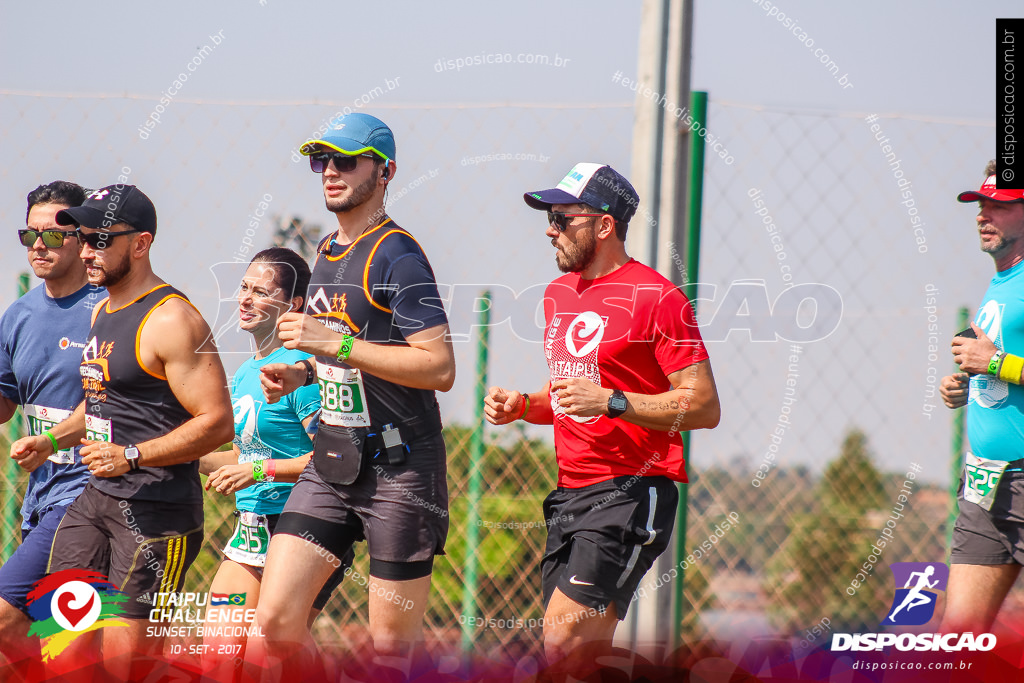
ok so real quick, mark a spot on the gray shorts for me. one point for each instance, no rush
(993, 536)
(400, 510)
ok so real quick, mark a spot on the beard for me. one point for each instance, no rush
(998, 246)
(360, 195)
(112, 274)
(576, 257)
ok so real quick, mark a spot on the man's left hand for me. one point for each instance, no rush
(104, 459)
(581, 397)
(973, 355)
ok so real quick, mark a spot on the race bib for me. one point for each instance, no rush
(97, 428)
(41, 418)
(342, 397)
(981, 479)
(248, 545)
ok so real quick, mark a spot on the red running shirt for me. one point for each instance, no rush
(627, 330)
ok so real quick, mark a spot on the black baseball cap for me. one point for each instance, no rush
(110, 205)
(597, 185)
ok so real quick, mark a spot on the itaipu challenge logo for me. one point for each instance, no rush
(70, 603)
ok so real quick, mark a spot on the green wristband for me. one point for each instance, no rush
(257, 470)
(346, 347)
(53, 440)
(997, 360)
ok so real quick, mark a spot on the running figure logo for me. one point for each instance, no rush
(914, 603)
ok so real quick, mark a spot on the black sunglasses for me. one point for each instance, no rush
(51, 238)
(558, 219)
(345, 163)
(99, 239)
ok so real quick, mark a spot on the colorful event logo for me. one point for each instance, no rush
(914, 603)
(69, 603)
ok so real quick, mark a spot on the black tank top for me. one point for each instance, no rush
(126, 403)
(357, 289)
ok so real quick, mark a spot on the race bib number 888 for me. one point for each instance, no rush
(342, 397)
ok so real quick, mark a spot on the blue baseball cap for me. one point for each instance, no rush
(597, 185)
(355, 133)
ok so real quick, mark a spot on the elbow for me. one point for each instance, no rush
(445, 379)
(711, 415)
(223, 430)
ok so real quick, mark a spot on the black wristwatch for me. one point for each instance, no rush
(617, 404)
(131, 454)
(310, 372)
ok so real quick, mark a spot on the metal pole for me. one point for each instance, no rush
(956, 460)
(476, 455)
(16, 429)
(694, 194)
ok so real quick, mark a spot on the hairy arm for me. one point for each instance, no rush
(176, 343)
(691, 404)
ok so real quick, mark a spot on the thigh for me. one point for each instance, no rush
(29, 561)
(292, 556)
(397, 607)
(974, 595)
(406, 515)
(81, 540)
(153, 544)
(616, 540)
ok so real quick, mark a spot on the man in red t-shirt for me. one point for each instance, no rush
(628, 373)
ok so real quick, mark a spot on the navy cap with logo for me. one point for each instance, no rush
(597, 185)
(110, 205)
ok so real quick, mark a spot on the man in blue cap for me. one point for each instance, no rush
(374, 321)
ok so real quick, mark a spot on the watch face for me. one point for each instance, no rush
(131, 453)
(617, 403)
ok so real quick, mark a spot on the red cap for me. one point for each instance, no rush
(990, 191)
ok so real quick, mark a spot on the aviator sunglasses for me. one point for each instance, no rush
(559, 219)
(345, 163)
(51, 238)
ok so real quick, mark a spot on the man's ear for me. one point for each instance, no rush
(607, 227)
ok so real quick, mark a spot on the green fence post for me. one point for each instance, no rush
(694, 198)
(476, 456)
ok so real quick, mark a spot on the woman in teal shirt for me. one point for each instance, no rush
(270, 449)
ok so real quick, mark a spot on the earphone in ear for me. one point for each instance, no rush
(384, 172)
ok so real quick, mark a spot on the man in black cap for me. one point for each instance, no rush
(628, 373)
(156, 399)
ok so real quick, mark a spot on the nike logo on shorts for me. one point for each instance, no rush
(572, 580)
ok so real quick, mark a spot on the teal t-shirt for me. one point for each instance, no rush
(995, 413)
(269, 430)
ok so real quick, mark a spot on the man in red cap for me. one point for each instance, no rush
(988, 538)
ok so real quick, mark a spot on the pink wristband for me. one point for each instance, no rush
(269, 469)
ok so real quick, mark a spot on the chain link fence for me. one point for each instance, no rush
(812, 204)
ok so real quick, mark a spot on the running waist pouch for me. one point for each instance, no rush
(338, 453)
